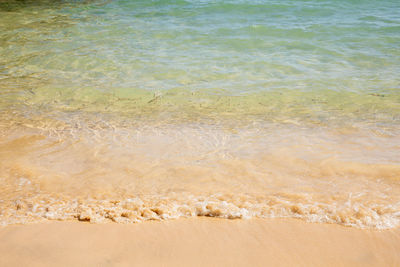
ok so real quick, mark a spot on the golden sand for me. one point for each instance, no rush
(198, 242)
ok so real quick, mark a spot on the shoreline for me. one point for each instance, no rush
(198, 242)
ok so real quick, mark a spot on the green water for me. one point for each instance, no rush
(323, 59)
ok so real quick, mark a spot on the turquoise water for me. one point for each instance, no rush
(220, 108)
(93, 50)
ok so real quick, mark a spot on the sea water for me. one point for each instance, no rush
(131, 110)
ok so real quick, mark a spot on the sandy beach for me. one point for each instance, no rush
(199, 133)
(197, 242)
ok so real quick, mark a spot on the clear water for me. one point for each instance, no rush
(135, 110)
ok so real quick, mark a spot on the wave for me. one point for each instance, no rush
(161, 174)
(132, 210)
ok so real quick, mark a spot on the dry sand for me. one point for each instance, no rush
(197, 242)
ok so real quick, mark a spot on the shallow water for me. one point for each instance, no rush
(138, 110)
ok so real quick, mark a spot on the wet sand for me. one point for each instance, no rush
(197, 242)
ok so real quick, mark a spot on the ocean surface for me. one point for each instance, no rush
(129, 111)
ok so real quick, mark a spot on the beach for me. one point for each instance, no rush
(198, 133)
(198, 242)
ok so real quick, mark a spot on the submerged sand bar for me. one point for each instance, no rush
(198, 242)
